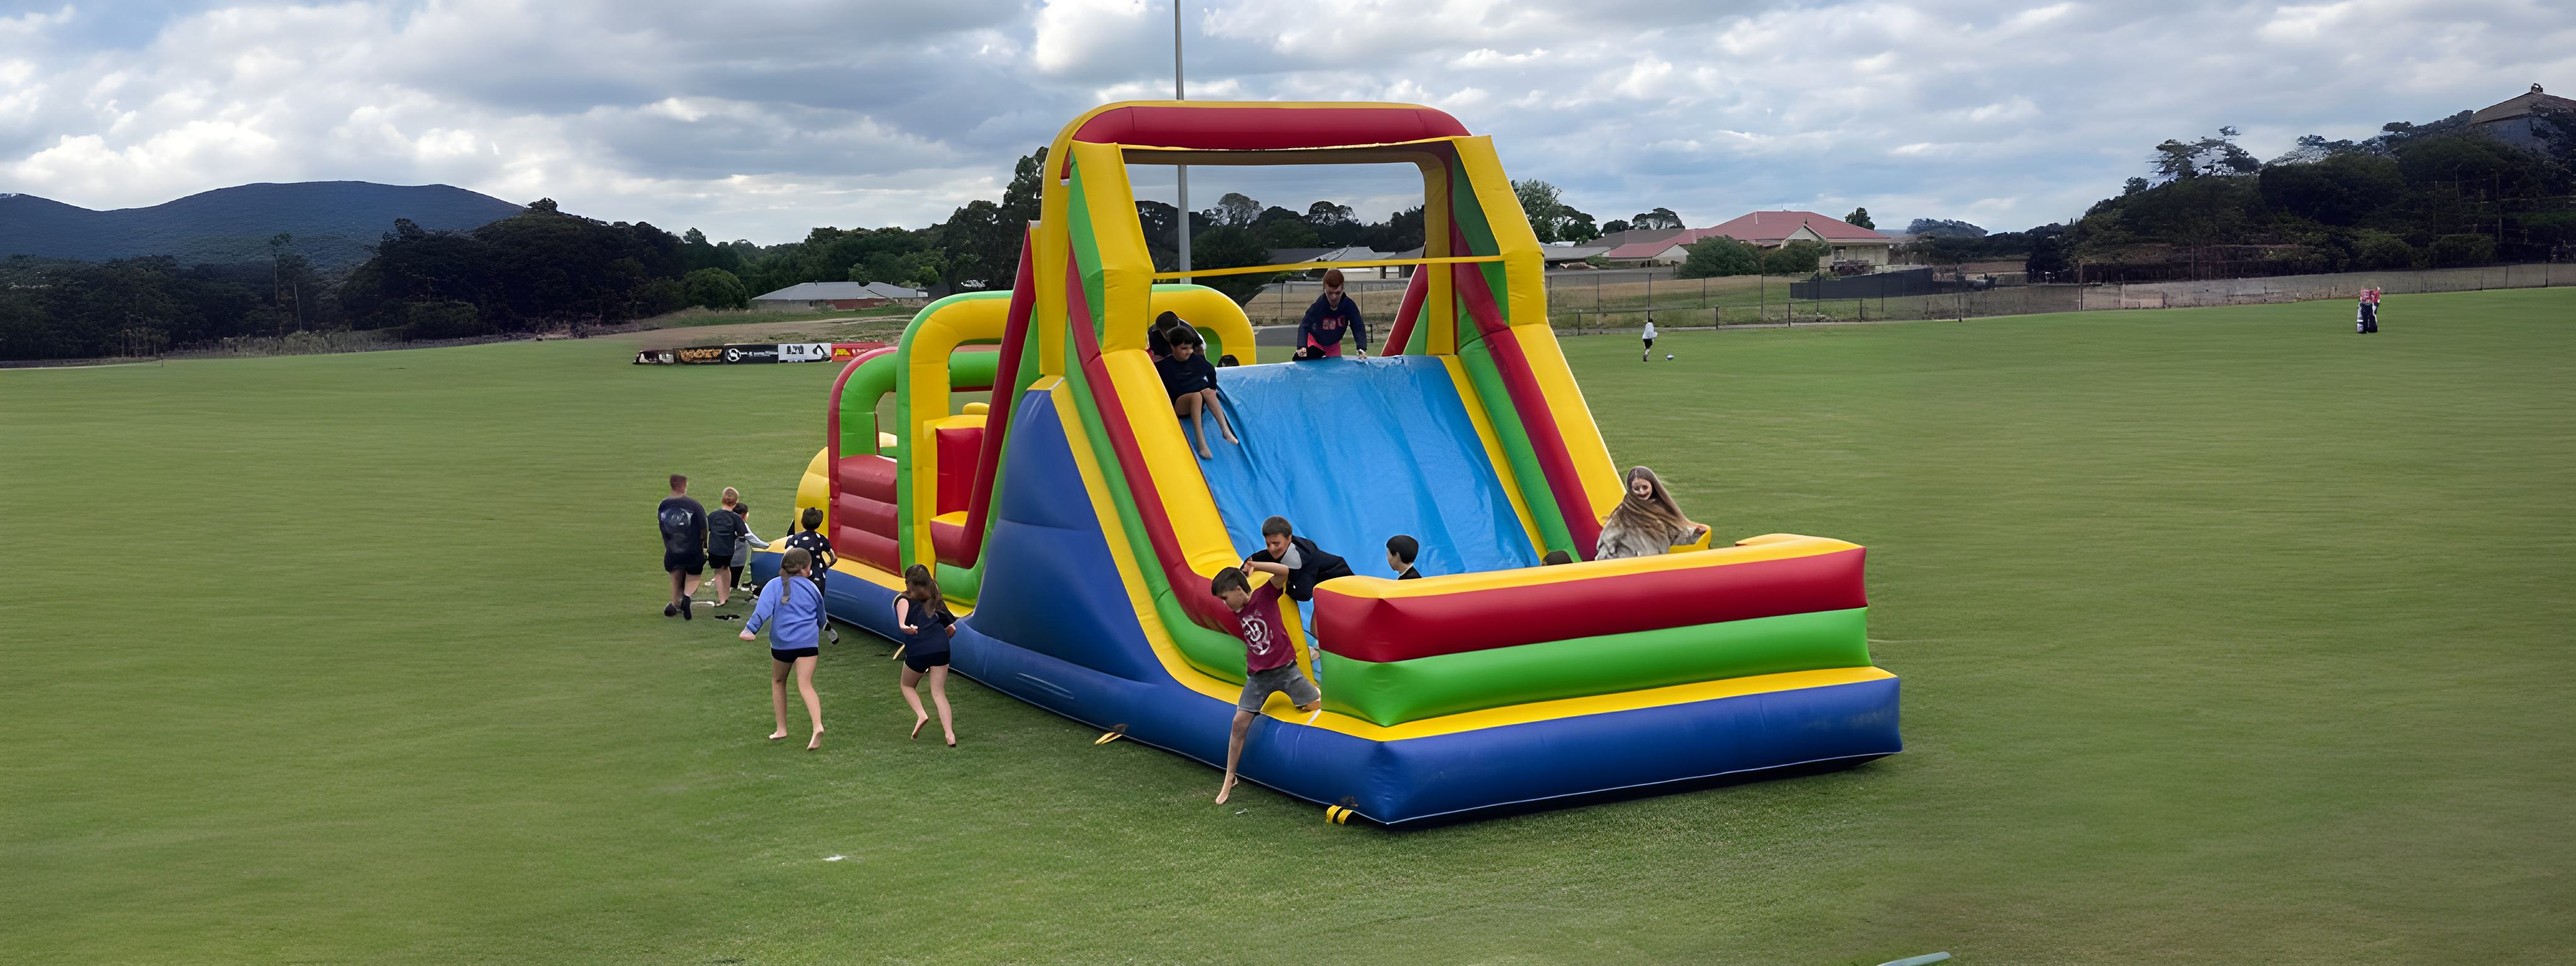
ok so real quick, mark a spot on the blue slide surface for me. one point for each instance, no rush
(1354, 451)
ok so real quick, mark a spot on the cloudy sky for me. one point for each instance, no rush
(760, 118)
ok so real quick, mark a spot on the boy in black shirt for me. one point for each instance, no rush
(684, 545)
(1295, 559)
(1191, 381)
(813, 542)
(1400, 551)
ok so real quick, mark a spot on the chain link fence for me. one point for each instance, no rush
(1622, 300)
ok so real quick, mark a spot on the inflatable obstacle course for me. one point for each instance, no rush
(1076, 533)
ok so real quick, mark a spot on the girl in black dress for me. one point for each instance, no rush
(922, 614)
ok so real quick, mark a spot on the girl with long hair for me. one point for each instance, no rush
(1647, 521)
(921, 612)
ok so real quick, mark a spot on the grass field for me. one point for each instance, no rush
(2228, 636)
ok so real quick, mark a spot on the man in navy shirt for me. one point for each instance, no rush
(1319, 335)
(684, 545)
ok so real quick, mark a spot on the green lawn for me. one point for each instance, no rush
(2228, 636)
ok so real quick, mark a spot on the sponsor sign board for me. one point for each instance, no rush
(846, 351)
(804, 351)
(751, 353)
(700, 354)
(652, 357)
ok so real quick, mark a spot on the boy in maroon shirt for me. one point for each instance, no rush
(1269, 661)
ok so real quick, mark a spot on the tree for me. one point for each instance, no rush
(1231, 247)
(1718, 255)
(1026, 194)
(1795, 258)
(1613, 226)
(2338, 189)
(1325, 214)
(1658, 219)
(2380, 251)
(715, 288)
(1860, 218)
(1161, 223)
(1543, 205)
(2048, 259)
(2455, 251)
(1943, 228)
(2212, 156)
(1234, 209)
(1577, 227)
(1401, 231)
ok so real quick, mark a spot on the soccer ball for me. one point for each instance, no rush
(1668, 355)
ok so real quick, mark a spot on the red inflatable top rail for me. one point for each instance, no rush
(1262, 127)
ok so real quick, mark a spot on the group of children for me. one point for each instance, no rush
(1647, 522)
(695, 540)
(792, 608)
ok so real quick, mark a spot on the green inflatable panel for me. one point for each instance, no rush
(1392, 692)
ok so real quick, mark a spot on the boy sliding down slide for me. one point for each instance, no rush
(1191, 381)
(1269, 662)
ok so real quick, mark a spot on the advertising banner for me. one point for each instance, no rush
(700, 354)
(655, 357)
(804, 351)
(846, 351)
(751, 353)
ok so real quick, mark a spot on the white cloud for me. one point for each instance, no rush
(761, 120)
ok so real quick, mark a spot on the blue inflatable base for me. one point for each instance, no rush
(1054, 628)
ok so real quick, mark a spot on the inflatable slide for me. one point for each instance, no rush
(1020, 443)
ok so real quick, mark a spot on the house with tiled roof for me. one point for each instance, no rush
(1845, 242)
(2516, 121)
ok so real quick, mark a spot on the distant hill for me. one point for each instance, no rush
(332, 222)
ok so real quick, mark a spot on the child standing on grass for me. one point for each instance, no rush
(1191, 381)
(742, 549)
(792, 609)
(1650, 341)
(1400, 551)
(1269, 662)
(724, 542)
(818, 548)
(921, 612)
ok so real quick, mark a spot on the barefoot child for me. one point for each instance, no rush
(793, 611)
(1298, 563)
(1400, 551)
(1191, 381)
(922, 614)
(1269, 661)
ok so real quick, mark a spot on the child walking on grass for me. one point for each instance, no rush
(921, 612)
(724, 545)
(1269, 661)
(792, 609)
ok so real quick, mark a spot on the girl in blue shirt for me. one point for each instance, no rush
(793, 612)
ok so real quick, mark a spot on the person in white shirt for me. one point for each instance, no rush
(1650, 341)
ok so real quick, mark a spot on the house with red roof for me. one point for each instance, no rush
(1846, 242)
